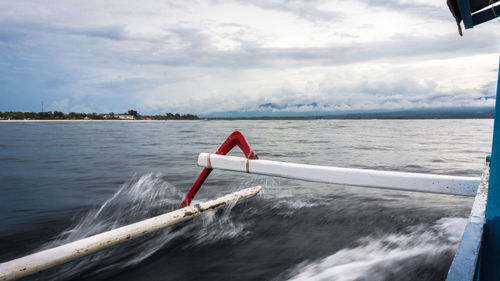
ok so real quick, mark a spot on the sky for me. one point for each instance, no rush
(203, 57)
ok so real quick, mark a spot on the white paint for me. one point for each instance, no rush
(43, 260)
(465, 186)
(478, 210)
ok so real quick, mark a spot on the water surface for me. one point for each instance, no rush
(61, 181)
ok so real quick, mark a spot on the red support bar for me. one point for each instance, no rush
(234, 139)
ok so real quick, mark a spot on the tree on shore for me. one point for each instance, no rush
(133, 113)
(58, 115)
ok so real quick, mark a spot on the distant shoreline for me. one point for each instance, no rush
(81, 120)
(345, 118)
(134, 116)
(131, 115)
(241, 119)
(440, 113)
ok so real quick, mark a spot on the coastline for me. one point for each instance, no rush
(21, 121)
(236, 119)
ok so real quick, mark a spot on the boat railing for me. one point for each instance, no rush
(464, 265)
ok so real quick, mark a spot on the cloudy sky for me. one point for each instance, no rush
(213, 56)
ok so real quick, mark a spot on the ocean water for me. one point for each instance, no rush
(61, 181)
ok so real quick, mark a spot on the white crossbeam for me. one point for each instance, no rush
(465, 186)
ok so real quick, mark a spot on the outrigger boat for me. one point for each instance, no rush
(477, 257)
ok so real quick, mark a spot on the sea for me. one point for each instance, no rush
(63, 181)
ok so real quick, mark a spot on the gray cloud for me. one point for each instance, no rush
(14, 30)
(308, 10)
(113, 32)
(399, 94)
(303, 9)
(201, 52)
(7, 35)
(413, 8)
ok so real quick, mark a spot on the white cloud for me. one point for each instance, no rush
(208, 56)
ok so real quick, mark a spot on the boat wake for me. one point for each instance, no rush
(413, 252)
(392, 257)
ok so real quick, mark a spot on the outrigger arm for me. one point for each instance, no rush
(49, 258)
(235, 139)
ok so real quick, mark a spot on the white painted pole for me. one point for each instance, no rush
(478, 211)
(46, 259)
(465, 186)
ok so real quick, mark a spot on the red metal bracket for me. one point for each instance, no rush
(234, 139)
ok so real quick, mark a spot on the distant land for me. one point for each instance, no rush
(429, 113)
(434, 113)
(58, 115)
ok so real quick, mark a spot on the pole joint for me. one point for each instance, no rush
(235, 139)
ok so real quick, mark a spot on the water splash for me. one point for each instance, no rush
(140, 198)
(217, 226)
(287, 207)
(390, 257)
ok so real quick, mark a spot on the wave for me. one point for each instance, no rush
(390, 257)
